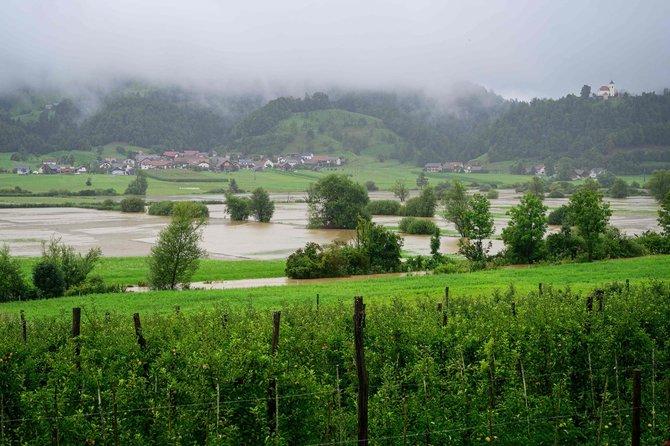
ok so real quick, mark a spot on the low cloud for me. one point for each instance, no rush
(521, 50)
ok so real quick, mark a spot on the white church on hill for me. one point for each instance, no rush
(607, 91)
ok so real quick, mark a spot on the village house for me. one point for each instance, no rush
(21, 169)
(432, 167)
(452, 166)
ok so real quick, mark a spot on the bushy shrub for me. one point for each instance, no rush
(375, 250)
(238, 208)
(94, 285)
(132, 204)
(384, 207)
(163, 208)
(492, 194)
(421, 206)
(616, 245)
(413, 225)
(556, 194)
(371, 186)
(48, 278)
(654, 242)
(558, 216)
(564, 244)
(12, 284)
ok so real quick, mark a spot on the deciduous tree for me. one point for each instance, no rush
(400, 190)
(336, 202)
(176, 254)
(456, 206)
(261, 207)
(588, 212)
(524, 234)
(477, 226)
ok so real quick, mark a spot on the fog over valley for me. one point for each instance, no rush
(519, 50)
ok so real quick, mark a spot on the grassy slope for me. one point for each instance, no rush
(376, 290)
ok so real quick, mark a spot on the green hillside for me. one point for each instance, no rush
(330, 131)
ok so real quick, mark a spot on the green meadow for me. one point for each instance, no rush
(377, 290)
(134, 270)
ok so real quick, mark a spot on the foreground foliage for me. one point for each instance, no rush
(548, 368)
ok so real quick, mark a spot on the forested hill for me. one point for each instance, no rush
(409, 126)
(159, 119)
(579, 127)
(429, 130)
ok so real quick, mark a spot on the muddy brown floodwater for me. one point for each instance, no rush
(119, 234)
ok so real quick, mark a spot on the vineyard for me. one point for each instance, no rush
(549, 367)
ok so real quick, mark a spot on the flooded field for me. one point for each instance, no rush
(119, 234)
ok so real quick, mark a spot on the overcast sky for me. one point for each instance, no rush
(521, 49)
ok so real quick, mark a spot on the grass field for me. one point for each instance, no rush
(578, 277)
(134, 270)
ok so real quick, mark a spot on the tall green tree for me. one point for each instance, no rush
(588, 212)
(176, 255)
(336, 202)
(477, 226)
(138, 186)
(421, 180)
(524, 234)
(261, 207)
(659, 184)
(536, 186)
(456, 206)
(239, 208)
(585, 92)
(619, 189)
(400, 190)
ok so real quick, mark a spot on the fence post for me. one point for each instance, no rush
(445, 316)
(539, 289)
(141, 341)
(637, 404)
(24, 333)
(273, 415)
(359, 323)
(138, 331)
(317, 301)
(76, 331)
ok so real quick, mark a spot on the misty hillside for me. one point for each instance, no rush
(325, 131)
(618, 133)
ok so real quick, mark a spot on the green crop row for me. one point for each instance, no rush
(507, 368)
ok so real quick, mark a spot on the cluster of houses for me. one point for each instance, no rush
(537, 169)
(454, 166)
(189, 159)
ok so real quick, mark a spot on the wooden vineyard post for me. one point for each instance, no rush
(138, 331)
(76, 331)
(445, 315)
(637, 405)
(141, 341)
(24, 333)
(273, 407)
(539, 289)
(359, 314)
(317, 301)
(177, 310)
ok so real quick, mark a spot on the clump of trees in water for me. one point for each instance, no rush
(374, 250)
